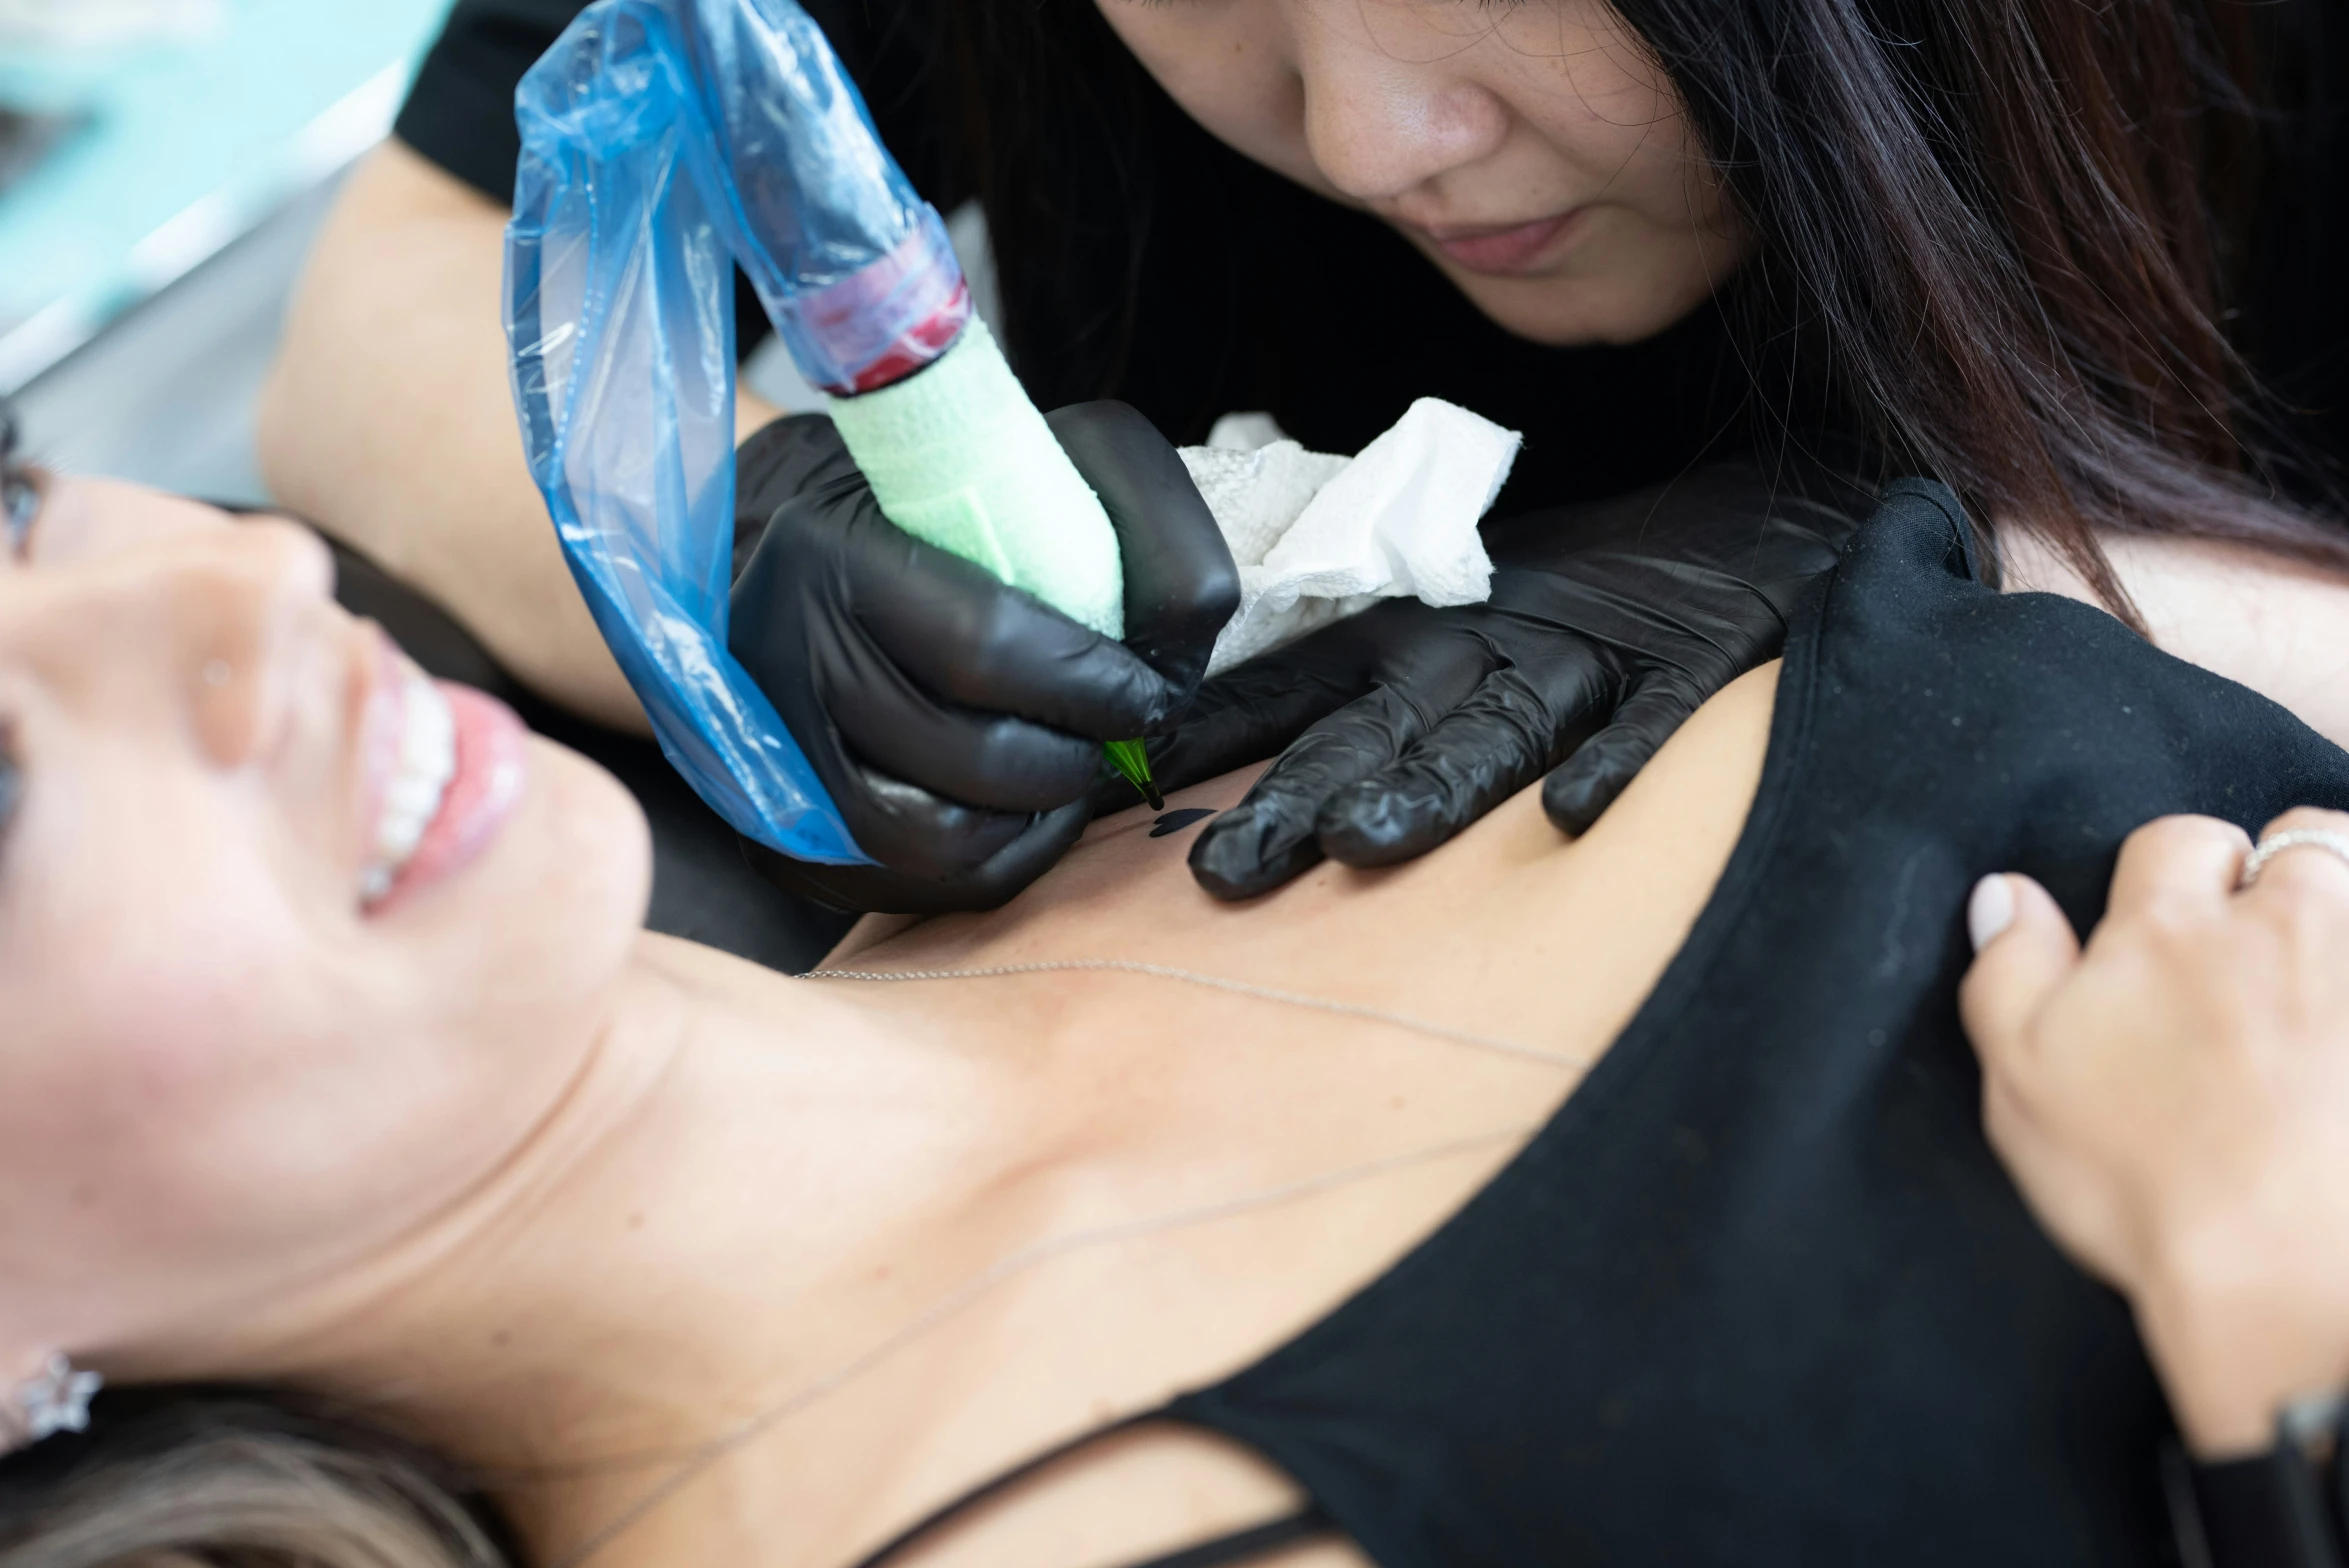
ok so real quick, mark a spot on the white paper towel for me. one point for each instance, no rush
(1318, 538)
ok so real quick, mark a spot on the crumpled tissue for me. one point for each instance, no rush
(1318, 538)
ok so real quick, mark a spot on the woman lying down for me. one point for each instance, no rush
(1618, 1200)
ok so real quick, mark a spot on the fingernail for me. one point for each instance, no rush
(1990, 911)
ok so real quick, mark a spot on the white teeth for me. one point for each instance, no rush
(419, 778)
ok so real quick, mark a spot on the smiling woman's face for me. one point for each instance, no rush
(1530, 148)
(285, 933)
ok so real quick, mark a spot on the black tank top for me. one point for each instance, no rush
(1760, 1292)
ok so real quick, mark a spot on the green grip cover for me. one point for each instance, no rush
(957, 456)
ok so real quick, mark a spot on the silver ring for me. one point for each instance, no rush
(2298, 838)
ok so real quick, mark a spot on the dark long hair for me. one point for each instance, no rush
(2002, 236)
(2014, 227)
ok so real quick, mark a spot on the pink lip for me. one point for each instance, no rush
(1513, 249)
(493, 750)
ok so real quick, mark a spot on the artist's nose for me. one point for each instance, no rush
(1384, 116)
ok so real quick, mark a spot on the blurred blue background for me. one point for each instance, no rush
(163, 166)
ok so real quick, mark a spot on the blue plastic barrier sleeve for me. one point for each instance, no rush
(665, 141)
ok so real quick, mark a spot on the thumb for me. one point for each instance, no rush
(2024, 949)
(1181, 584)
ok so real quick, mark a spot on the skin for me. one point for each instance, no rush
(1443, 121)
(553, 1193)
(387, 418)
(547, 1190)
(185, 966)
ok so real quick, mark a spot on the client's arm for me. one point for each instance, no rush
(388, 422)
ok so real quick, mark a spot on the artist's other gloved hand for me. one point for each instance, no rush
(1608, 625)
(956, 722)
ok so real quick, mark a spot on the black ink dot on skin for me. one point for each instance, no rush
(1176, 821)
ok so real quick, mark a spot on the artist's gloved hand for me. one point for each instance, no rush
(956, 722)
(1608, 625)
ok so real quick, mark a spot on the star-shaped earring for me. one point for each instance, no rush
(56, 1401)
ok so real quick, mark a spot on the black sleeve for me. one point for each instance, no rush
(460, 114)
(2294, 317)
(2280, 1509)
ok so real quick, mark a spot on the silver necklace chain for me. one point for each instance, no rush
(1001, 1273)
(1261, 993)
(1020, 1262)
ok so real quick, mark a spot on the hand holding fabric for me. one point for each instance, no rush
(2174, 1104)
(1608, 625)
(956, 722)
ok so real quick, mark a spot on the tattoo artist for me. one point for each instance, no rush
(1645, 557)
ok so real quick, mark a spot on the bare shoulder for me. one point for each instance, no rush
(2276, 626)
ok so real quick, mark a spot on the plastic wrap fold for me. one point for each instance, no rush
(663, 143)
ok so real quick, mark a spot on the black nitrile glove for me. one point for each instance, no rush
(956, 722)
(1608, 625)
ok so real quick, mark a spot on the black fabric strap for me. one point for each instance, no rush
(1248, 1545)
(1240, 1547)
(2266, 1511)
